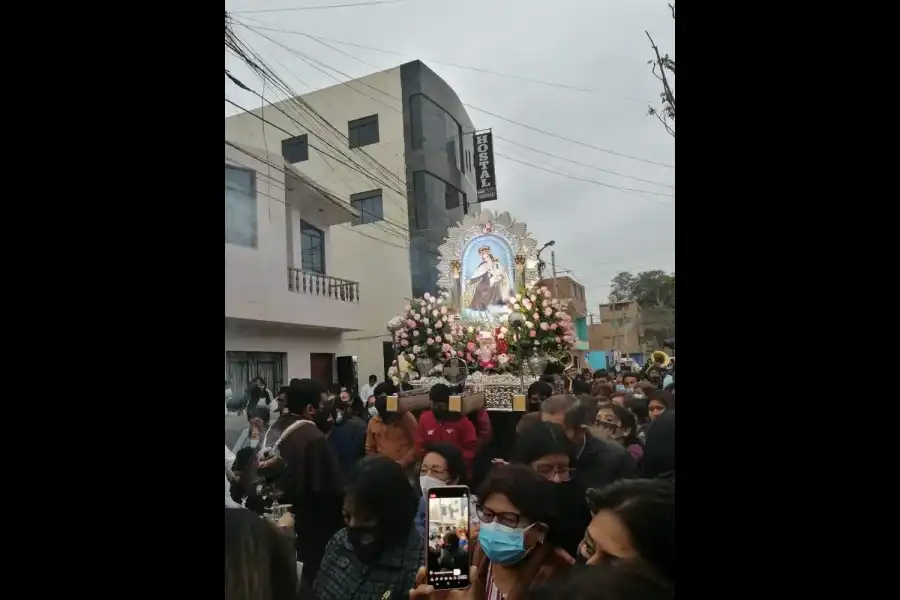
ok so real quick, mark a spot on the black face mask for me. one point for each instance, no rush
(442, 414)
(366, 542)
(322, 422)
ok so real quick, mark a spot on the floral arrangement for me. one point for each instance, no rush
(429, 329)
(548, 328)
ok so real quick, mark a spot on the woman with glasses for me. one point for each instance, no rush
(442, 465)
(547, 450)
(619, 425)
(633, 523)
(515, 548)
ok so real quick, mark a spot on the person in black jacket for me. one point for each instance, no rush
(348, 435)
(597, 462)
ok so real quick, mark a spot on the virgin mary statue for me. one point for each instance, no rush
(489, 283)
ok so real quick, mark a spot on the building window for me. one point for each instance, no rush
(369, 206)
(435, 131)
(363, 132)
(295, 149)
(312, 248)
(240, 207)
(430, 194)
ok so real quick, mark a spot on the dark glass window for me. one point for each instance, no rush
(312, 248)
(369, 206)
(435, 131)
(295, 149)
(363, 132)
(240, 207)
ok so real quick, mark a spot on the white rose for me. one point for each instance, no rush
(533, 298)
(435, 313)
(443, 310)
(471, 330)
(528, 324)
(416, 349)
(416, 333)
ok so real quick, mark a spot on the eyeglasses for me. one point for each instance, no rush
(506, 519)
(549, 471)
(607, 425)
(427, 469)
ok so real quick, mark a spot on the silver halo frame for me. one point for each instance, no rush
(504, 226)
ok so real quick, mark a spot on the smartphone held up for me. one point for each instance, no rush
(447, 537)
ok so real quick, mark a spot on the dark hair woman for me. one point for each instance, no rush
(514, 549)
(259, 560)
(659, 447)
(546, 448)
(634, 521)
(443, 464)
(379, 551)
(604, 582)
(619, 425)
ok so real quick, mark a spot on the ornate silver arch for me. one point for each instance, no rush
(502, 225)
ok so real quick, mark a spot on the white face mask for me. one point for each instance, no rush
(254, 443)
(373, 412)
(426, 482)
(639, 396)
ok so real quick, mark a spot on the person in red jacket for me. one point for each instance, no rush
(441, 425)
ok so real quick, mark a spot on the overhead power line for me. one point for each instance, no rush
(321, 7)
(441, 62)
(309, 60)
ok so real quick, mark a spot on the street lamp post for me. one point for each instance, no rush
(540, 264)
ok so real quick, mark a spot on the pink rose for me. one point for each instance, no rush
(544, 327)
(404, 343)
(404, 334)
(568, 338)
(446, 347)
(438, 325)
(548, 311)
(553, 326)
(558, 339)
(470, 346)
(410, 323)
(469, 356)
(437, 339)
(532, 333)
(435, 313)
(537, 316)
(443, 310)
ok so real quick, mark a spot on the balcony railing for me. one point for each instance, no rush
(325, 286)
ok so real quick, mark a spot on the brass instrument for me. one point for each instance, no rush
(660, 359)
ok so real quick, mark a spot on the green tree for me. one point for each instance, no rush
(622, 287)
(664, 71)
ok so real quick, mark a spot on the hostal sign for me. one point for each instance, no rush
(484, 151)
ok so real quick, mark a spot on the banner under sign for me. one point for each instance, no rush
(486, 184)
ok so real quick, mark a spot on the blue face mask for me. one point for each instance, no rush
(620, 387)
(501, 544)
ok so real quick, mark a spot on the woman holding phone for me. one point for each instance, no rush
(514, 549)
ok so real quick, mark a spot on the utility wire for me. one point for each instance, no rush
(292, 97)
(281, 201)
(319, 40)
(322, 39)
(331, 194)
(321, 7)
(309, 60)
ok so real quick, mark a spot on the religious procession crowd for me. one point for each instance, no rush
(325, 493)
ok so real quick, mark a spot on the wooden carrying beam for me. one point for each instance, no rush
(418, 399)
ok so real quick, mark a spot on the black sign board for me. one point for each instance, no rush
(485, 182)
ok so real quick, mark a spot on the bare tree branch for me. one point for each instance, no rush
(665, 63)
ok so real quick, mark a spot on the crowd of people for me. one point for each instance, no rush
(583, 505)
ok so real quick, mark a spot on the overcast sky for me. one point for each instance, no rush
(597, 45)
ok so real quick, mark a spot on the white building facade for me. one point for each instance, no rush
(335, 204)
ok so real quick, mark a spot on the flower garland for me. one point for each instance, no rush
(428, 329)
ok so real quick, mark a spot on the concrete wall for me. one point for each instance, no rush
(256, 279)
(376, 255)
(295, 343)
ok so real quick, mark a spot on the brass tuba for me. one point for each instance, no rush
(660, 359)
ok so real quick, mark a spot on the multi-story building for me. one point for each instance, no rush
(619, 330)
(336, 203)
(572, 294)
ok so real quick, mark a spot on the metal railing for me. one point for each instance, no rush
(324, 286)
